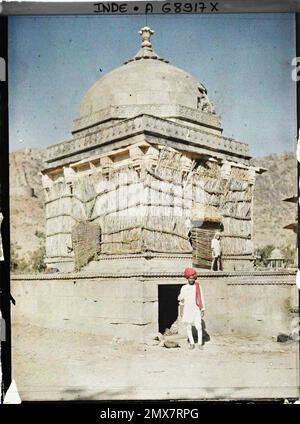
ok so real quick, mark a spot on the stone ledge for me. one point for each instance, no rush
(147, 123)
(129, 111)
(165, 275)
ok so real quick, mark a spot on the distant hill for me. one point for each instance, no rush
(271, 214)
(26, 201)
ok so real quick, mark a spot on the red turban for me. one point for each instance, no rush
(190, 272)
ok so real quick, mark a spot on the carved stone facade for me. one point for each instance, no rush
(146, 169)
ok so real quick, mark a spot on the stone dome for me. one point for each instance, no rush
(142, 82)
(146, 79)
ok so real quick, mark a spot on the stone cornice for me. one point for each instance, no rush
(232, 278)
(151, 125)
(161, 111)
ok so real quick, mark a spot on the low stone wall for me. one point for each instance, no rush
(258, 304)
(111, 307)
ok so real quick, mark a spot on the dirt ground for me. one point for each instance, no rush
(62, 365)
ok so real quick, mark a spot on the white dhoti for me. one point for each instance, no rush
(191, 312)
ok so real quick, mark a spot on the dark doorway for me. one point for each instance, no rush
(167, 305)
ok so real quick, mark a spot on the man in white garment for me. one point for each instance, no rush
(216, 252)
(191, 297)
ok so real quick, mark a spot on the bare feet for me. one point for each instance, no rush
(191, 346)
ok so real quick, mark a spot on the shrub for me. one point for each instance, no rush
(37, 258)
(17, 263)
(263, 254)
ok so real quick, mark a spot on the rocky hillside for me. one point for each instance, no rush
(26, 201)
(271, 214)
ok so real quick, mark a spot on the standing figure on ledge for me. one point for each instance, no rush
(191, 297)
(216, 253)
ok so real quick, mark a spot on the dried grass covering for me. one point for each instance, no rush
(85, 242)
(124, 235)
(145, 209)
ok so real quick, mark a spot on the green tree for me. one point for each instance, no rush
(40, 235)
(289, 253)
(37, 258)
(263, 254)
(17, 263)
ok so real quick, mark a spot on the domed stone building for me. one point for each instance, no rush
(133, 197)
(148, 177)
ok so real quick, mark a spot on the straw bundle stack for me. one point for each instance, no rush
(124, 235)
(60, 220)
(117, 194)
(236, 245)
(236, 227)
(144, 209)
(86, 243)
(201, 241)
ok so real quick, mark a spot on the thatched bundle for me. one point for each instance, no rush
(206, 169)
(238, 185)
(237, 227)
(239, 196)
(84, 190)
(62, 212)
(59, 225)
(201, 241)
(206, 213)
(239, 173)
(145, 209)
(85, 242)
(212, 199)
(214, 186)
(236, 246)
(240, 210)
(124, 235)
(117, 194)
(58, 190)
(57, 245)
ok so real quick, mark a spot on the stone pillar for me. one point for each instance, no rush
(135, 153)
(106, 163)
(252, 175)
(225, 170)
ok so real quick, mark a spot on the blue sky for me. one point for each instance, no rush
(243, 60)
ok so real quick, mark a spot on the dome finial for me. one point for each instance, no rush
(146, 33)
(146, 51)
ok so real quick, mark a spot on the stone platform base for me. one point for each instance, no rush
(132, 305)
(128, 263)
(148, 263)
(85, 336)
(140, 263)
(238, 263)
(62, 264)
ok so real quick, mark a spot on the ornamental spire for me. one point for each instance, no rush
(146, 51)
(146, 33)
